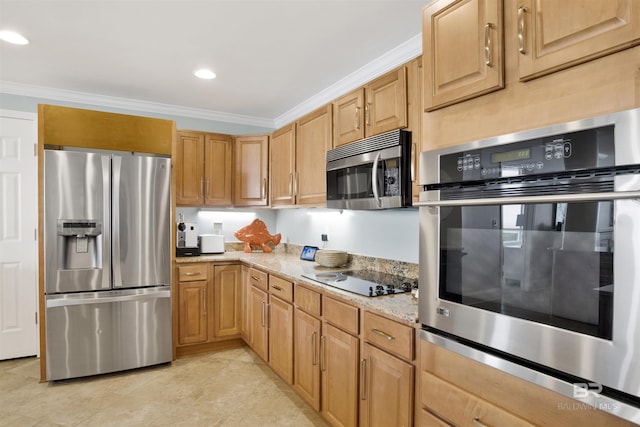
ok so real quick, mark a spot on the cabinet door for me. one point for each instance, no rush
(314, 139)
(306, 358)
(415, 77)
(553, 35)
(227, 282)
(386, 389)
(386, 107)
(339, 366)
(192, 312)
(189, 168)
(246, 305)
(465, 42)
(283, 166)
(348, 118)
(218, 156)
(281, 338)
(251, 170)
(258, 329)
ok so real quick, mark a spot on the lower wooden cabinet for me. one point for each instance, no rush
(192, 311)
(209, 303)
(227, 301)
(193, 303)
(459, 391)
(386, 389)
(339, 365)
(307, 330)
(281, 338)
(258, 328)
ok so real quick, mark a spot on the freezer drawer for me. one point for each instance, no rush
(102, 332)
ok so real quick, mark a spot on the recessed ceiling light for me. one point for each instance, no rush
(13, 37)
(205, 74)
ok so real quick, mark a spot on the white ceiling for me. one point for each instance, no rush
(272, 57)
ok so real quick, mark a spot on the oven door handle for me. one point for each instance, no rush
(563, 198)
(374, 180)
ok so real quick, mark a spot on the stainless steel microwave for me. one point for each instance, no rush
(373, 173)
(530, 255)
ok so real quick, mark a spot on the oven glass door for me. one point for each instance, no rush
(550, 263)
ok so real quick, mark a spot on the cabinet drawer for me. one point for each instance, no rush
(460, 408)
(427, 419)
(342, 315)
(308, 300)
(189, 273)
(259, 279)
(283, 289)
(389, 335)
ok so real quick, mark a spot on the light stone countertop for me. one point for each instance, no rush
(403, 307)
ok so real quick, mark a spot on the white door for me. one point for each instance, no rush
(18, 245)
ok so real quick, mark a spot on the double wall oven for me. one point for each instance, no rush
(530, 256)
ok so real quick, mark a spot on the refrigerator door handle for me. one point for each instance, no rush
(107, 298)
(106, 218)
(115, 220)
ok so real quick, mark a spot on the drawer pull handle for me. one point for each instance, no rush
(204, 302)
(277, 288)
(314, 360)
(383, 334)
(477, 422)
(256, 278)
(363, 379)
(521, 29)
(487, 44)
(193, 273)
(322, 367)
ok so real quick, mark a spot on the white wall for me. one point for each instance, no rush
(389, 234)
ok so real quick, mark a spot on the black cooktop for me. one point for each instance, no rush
(364, 282)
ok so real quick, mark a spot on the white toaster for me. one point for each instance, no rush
(211, 243)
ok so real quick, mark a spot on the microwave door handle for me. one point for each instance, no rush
(374, 180)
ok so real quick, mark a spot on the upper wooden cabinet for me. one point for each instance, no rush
(283, 165)
(379, 106)
(218, 165)
(553, 35)
(464, 53)
(189, 168)
(251, 170)
(313, 140)
(298, 154)
(203, 168)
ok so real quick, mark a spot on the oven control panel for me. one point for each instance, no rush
(585, 149)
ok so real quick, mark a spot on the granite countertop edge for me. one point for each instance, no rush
(402, 307)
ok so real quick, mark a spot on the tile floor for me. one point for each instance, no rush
(225, 388)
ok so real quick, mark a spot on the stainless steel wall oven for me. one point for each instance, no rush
(530, 253)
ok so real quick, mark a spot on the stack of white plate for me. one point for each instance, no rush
(331, 257)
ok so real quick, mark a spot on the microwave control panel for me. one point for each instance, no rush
(585, 149)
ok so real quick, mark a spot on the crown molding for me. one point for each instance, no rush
(129, 104)
(401, 54)
(384, 63)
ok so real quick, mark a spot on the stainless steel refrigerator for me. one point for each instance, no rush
(107, 249)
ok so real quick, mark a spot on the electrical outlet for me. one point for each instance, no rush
(324, 237)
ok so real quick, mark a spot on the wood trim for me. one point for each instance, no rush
(221, 344)
(74, 127)
(41, 302)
